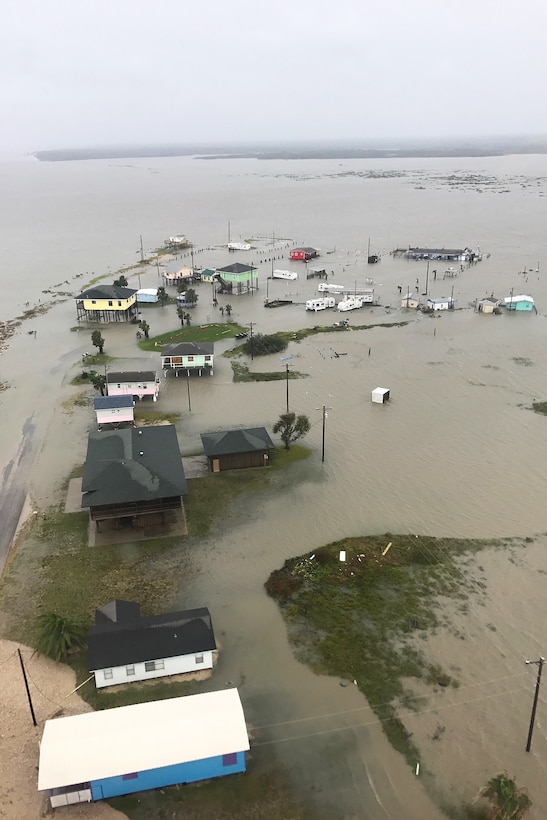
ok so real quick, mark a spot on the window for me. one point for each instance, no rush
(154, 666)
(207, 358)
(110, 303)
(119, 303)
(229, 760)
(190, 358)
(130, 669)
(199, 658)
(130, 776)
(108, 674)
(93, 302)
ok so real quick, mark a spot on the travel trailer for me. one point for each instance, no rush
(323, 287)
(351, 303)
(284, 274)
(321, 304)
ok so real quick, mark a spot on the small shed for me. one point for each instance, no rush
(147, 295)
(380, 395)
(114, 409)
(488, 305)
(128, 749)
(441, 303)
(519, 302)
(304, 254)
(237, 449)
(411, 300)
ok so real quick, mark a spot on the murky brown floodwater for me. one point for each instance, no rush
(456, 452)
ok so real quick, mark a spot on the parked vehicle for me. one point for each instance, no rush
(321, 304)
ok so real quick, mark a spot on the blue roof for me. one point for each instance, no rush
(107, 402)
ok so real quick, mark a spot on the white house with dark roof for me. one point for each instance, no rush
(128, 749)
(125, 646)
(114, 410)
(136, 383)
(188, 357)
(440, 303)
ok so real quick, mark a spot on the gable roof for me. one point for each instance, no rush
(109, 402)
(521, 297)
(134, 464)
(237, 267)
(112, 742)
(128, 637)
(306, 250)
(107, 292)
(131, 376)
(227, 442)
(189, 349)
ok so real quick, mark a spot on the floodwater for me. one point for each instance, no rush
(457, 451)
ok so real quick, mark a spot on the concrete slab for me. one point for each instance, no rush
(73, 501)
(195, 466)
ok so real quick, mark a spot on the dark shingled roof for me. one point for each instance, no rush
(107, 292)
(306, 250)
(227, 442)
(237, 267)
(107, 402)
(134, 464)
(121, 635)
(131, 376)
(189, 349)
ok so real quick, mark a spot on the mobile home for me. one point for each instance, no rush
(324, 287)
(284, 274)
(321, 304)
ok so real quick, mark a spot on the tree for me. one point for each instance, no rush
(57, 636)
(228, 310)
(121, 281)
(507, 801)
(188, 317)
(291, 427)
(145, 327)
(97, 340)
(98, 381)
(181, 314)
(191, 296)
(162, 296)
(263, 344)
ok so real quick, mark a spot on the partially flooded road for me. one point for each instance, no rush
(14, 487)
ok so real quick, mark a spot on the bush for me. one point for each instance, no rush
(261, 345)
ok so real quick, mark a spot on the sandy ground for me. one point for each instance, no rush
(50, 686)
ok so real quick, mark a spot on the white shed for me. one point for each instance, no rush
(147, 295)
(380, 395)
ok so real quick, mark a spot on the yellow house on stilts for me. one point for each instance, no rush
(107, 303)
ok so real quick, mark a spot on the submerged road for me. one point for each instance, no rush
(14, 488)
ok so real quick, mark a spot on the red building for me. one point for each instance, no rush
(304, 254)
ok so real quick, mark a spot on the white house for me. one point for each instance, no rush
(124, 646)
(134, 383)
(114, 409)
(441, 303)
(147, 295)
(188, 357)
(129, 749)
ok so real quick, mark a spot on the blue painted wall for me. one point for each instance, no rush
(166, 776)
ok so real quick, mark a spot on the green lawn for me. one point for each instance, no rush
(194, 333)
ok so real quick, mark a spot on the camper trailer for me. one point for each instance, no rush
(284, 274)
(351, 303)
(321, 304)
(323, 287)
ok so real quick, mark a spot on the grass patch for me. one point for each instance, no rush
(243, 374)
(195, 333)
(354, 619)
(79, 399)
(537, 407)
(146, 416)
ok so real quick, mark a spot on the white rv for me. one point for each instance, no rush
(239, 246)
(351, 303)
(284, 274)
(321, 304)
(367, 296)
(323, 287)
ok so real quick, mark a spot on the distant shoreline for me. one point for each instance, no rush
(291, 151)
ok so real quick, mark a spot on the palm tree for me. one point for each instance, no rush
(507, 801)
(98, 381)
(97, 340)
(188, 317)
(57, 636)
(121, 281)
(191, 296)
(228, 309)
(291, 427)
(181, 314)
(162, 296)
(145, 327)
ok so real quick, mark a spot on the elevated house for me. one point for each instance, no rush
(135, 383)
(107, 303)
(304, 254)
(440, 303)
(133, 477)
(128, 749)
(124, 646)
(237, 449)
(114, 410)
(442, 254)
(188, 357)
(237, 279)
(519, 302)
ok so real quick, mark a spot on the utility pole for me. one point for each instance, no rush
(540, 663)
(251, 325)
(188, 389)
(287, 380)
(325, 414)
(142, 250)
(426, 279)
(34, 721)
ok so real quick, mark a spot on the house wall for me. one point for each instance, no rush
(114, 415)
(187, 362)
(134, 389)
(438, 305)
(172, 666)
(523, 306)
(238, 461)
(167, 775)
(109, 304)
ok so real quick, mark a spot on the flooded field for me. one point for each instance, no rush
(456, 452)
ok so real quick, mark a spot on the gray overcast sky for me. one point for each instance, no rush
(88, 72)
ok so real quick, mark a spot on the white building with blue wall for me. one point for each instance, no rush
(129, 749)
